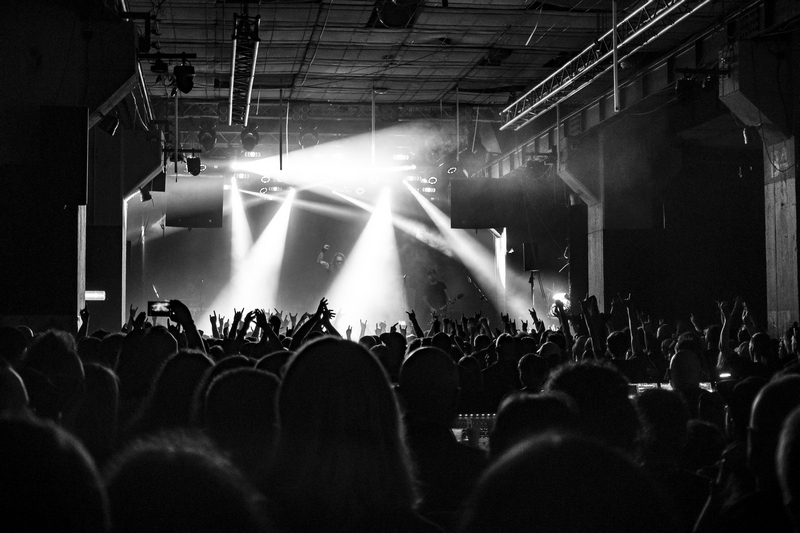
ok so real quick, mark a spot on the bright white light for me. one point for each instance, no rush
(500, 256)
(370, 287)
(725, 374)
(241, 237)
(252, 154)
(560, 297)
(401, 157)
(94, 296)
(254, 282)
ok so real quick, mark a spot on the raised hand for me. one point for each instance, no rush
(132, 313)
(323, 305)
(349, 332)
(84, 314)
(532, 312)
(262, 321)
(411, 315)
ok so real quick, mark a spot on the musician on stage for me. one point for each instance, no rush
(435, 295)
(334, 266)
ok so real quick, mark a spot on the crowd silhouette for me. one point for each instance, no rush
(610, 422)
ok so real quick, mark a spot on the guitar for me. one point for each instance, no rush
(449, 302)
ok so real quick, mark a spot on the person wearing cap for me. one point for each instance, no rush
(435, 295)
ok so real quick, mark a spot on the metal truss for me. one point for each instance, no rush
(637, 30)
(243, 67)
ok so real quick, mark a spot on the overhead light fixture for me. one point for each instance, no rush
(194, 166)
(309, 137)
(159, 67)
(207, 136)
(184, 76)
(249, 138)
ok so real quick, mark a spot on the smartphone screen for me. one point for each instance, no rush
(159, 308)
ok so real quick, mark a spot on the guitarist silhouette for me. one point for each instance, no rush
(435, 295)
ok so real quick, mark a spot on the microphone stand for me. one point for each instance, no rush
(481, 296)
(531, 281)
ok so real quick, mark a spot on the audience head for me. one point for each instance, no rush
(48, 480)
(170, 402)
(550, 352)
(600, 392)
(564, 484)
(275, 362)
(533, 370)
(88, 349)
(95, 418)
(241, 417)
(524, 415)
(788, 465)
(429, 385)
(618, 343)
(110, 347)
(340, 459)
(770, 409)
(684, 370)
(705, 443)
(179, 483)
(663, 419)
(53, 374)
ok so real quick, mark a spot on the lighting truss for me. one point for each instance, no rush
(637, 30)
(243, 67)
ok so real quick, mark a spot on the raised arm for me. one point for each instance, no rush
(180, 313)
(320, 260)
(412, 317)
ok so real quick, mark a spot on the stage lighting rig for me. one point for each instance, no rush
(207, 136)
(184, 76)
(249, 137)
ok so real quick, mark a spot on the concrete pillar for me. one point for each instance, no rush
(757, 86)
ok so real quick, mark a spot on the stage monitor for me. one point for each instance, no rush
(482, 203)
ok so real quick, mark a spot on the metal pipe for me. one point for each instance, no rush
(615, 58)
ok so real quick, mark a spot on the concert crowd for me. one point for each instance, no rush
(270, 422)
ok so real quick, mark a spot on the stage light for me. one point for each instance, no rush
(433, 180)
(360, 190)
(252, 154)
(249, 138)
(207, 137)
(193, 166)
(265, 179)
(184, 77)
(401, 157)
(309, 139)
(241, 175)
(159, 67)
(429, 189)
